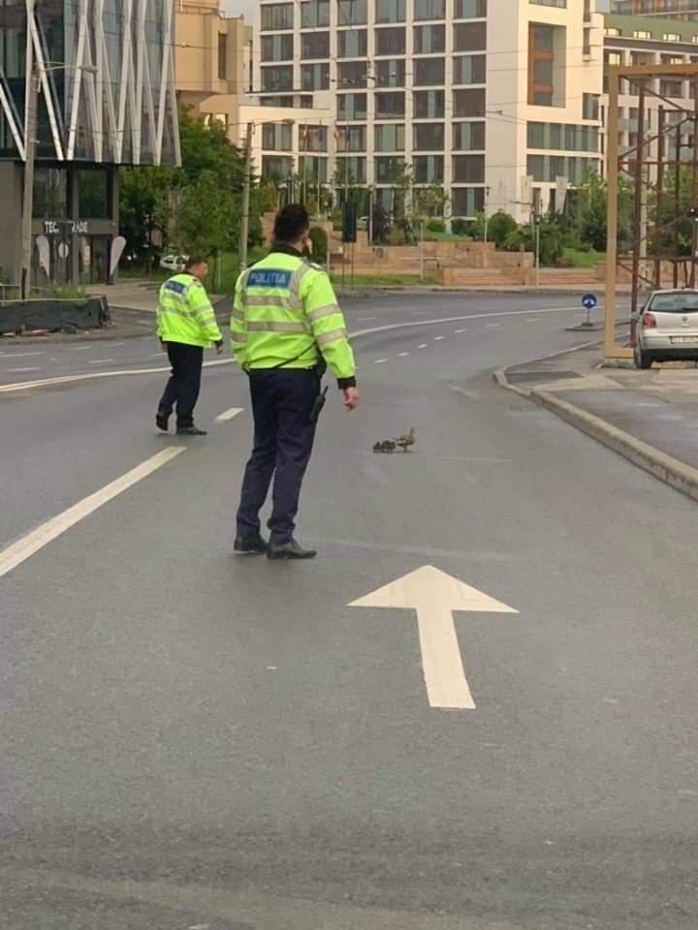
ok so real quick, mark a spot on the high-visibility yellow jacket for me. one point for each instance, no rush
(286, 315)
(185, 313)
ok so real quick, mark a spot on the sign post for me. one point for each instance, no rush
(589, 302)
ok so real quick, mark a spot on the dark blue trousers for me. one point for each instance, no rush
(185, 382)
(282, 403)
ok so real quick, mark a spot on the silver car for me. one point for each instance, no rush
(667, 328)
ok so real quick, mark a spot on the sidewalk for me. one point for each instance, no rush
(649, 417)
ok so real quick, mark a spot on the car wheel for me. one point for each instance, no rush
(642, 359)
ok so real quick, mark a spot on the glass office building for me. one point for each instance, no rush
(106, 98)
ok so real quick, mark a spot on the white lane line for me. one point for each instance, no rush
(403, 354)
(228, 414)
(12, 355)
(116, 345)
(30, 544)
(492, 325)
(79, 348)
(101, 361)
(537, 320)
(381, 361)
(424, 345)
(459, 331)
(438, 338)
(365, 319)
(17, 370)
(156, 355)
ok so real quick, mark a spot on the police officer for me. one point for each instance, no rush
(286, 328)
(186, 326)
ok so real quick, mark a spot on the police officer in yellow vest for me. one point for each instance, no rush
(186, 326)
(287, 328)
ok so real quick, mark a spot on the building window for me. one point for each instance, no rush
(277, 167)
(641, 34)
(352, 13)
(429, 71)
(469, 102)
(277, 78)
(352, 43)
(351, 106)
(277, 16)
(313, 170)
(390, 11)
(469, 69)
(222, 56)
(390, 138)
(671, 37)
(315, 45)
(590, 106)
(612, 32)
(277, 137)
(312, 138)
(428, 169)
(315, 77)
(390, 72)
(315, 13)
(277, 101)
(469, 168)
(390, 106)
(51, 194)
(391, 41)
(470, 9)
(428, 137)
(351, 138)
(277, 48)
(389, 169)
(429, 104)
(429, 9)
(468, 136)
(541, 57)
(352, 74)
(467, 201)
(470, 37)
(429, 39)
(351, 170)
(560, 4)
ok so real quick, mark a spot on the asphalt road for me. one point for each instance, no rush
(194, 740)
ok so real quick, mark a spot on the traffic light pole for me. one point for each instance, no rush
(247, 184)
(28, 196)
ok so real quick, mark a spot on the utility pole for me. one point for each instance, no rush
(247, 184)
(28, 198)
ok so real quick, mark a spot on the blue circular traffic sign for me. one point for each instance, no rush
(589, 301)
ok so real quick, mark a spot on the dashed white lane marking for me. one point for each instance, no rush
(493, 325)
(228, 414)
(18, 370)
(459, 331)
(12, 355)
(101, 361)
(424, 345)
(79, 348)
(156, 355)
(116, 345)
(403, 354)
(537, 320)
(381, 361)
(30, 544)
(365, 319)
(438, 338)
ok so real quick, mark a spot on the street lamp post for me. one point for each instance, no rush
(31, 141)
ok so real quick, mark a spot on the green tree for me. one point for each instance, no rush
(501, 227)
(207, 217)
(591, 207)
(429, 202)
(144, 208)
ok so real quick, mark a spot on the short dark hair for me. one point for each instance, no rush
(291, 223)
(196, 259)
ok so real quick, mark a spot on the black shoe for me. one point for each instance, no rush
(290, 550)
(253, 545)
(191, 431)
(162, 421)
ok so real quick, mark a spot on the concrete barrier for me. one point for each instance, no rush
(18, 316)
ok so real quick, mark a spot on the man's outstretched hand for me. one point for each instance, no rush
(351, 398)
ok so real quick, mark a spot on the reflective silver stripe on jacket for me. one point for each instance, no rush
(322, 312)
(273, 327)
(336, 334)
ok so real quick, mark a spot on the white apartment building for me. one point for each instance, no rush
(498, 100)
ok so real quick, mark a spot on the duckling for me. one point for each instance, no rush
(405, 442)
(389, 446)
(378, 447)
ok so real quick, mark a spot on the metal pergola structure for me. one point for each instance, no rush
(660, 153)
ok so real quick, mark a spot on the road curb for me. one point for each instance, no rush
(660, 465)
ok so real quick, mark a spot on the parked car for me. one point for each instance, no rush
(667, 328)
(176, 263)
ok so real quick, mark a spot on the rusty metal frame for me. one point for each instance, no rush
(635, 164)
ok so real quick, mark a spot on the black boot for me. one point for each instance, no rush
(251, 545)
(290, 551)
(191, 431)
(162, 421)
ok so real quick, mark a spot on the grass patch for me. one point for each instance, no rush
(582, 259)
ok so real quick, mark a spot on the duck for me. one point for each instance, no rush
(406, 441)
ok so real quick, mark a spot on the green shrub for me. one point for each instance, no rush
(459, 226)
(436, 226)
(318, 237)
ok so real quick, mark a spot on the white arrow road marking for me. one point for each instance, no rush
(28, 545)
(228, 414)
(435, 595)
